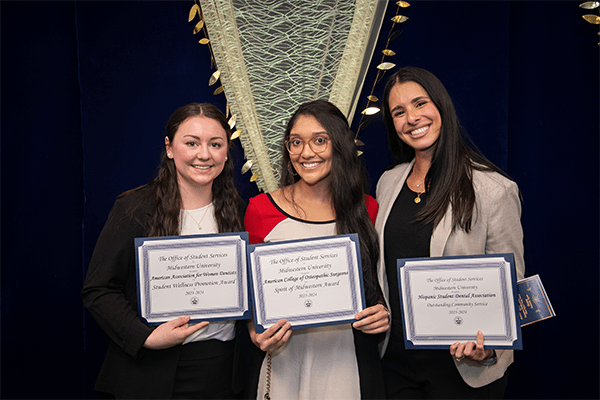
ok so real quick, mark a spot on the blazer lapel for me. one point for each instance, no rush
(391, 196)
(387, 200)
(440, 234)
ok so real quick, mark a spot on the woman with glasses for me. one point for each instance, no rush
(321, 194)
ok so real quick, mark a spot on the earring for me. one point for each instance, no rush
(226, 158)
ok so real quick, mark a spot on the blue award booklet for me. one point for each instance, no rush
(534, 304)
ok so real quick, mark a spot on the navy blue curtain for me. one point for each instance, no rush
(87, 90)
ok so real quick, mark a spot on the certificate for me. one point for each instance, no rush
(204, 276)
(311, 282)
(448, 299)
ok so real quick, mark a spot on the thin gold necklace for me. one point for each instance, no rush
(201, 219)
(417, 199)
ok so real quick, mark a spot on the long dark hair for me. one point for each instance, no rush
(167, 199)
(347, 185)
(449, 180)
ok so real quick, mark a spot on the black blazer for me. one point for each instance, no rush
(110, 294)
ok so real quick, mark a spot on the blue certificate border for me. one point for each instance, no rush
(154, 243)
(510, 320)
(257, 294)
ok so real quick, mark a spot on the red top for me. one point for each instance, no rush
(263, 215)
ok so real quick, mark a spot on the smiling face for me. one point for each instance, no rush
(416, 118)
(199, 150)
(313, 168)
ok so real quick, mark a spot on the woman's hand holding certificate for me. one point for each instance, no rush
(172, 333)
(273, 338)
(474, 351)
(373, 320)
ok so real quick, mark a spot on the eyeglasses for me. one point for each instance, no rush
(317, 145)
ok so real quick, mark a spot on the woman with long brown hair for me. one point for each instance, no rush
(441, 198)
(192, 194)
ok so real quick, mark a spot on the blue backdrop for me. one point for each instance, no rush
(88, 87)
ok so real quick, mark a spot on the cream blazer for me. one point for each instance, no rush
(496, 228)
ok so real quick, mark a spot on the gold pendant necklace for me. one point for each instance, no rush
(201, 219)
(418, 198)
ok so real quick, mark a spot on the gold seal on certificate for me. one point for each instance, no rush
(448, 299)
(204, 276)
(309, 282)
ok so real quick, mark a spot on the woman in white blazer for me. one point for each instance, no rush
(442, 198)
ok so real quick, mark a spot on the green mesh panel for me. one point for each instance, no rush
(274, 55)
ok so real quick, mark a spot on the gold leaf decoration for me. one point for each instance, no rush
(232, 121)
(370, 111)
(204, 41)
(395, 35)
(246, 167)
(227, 111)
(199, 26)
(236, 134)
(195, 10)
(214, 78)
(219, 90)
(363, 124)
(399, 19)
(592, 19)
(385, 66)
(254, 177)
(590, 5)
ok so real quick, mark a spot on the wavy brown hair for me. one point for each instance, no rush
(347, 179)
(449, 180)
(167, 199)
